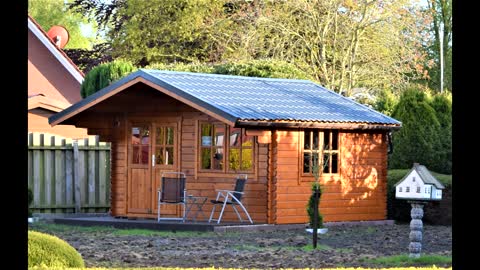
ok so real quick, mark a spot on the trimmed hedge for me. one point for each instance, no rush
(435, 212)
(50, 251)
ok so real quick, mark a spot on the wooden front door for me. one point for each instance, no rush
(152, 150)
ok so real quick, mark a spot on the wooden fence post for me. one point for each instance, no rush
(76, 177)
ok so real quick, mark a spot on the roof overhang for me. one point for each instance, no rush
(141, 77)
(312, 124)
(60, 56)
(40, 101)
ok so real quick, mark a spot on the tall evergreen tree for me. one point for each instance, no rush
(418, 138)
(442, 104)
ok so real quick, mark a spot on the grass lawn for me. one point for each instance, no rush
(212, 268)
(404, 259)
(52, 228)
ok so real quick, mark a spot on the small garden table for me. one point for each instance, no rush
(197, 201)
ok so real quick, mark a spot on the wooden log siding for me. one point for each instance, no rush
(198, 183)
(51, 167)
(357, 192)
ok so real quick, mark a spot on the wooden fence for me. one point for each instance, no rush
(68, 176)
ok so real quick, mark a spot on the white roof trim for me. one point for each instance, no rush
(54, 51)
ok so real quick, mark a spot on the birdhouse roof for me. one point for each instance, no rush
(425, 176)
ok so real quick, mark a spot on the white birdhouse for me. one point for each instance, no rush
(419, 184)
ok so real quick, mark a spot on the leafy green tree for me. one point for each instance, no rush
(440, 14)
(105, 74)
(165, 31)
(346, 44)
(418, 139)
(54, 12)
(442, 104)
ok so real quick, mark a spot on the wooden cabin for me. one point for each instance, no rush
(53, 83)
(213, 127)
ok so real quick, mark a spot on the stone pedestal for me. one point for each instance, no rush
(416, 229)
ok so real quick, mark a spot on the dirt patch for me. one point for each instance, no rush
(343, 245)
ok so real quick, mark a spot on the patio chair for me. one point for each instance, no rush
(231, 197)
(172, 191)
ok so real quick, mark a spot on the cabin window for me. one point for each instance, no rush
(140, 144)
(418, 190)
(212, 137)
(240, 153)
(218, 139)
(426, 190)
(164, 145)
(413, 180)
(320, 145)
(400, 189)
(407, 189)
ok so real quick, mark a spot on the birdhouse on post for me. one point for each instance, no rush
(418, 187)
(419, 184)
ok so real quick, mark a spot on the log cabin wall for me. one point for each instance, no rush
(356, 192)
(110, 121)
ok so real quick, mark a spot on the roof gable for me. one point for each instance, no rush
(40, 101)
(239, 98)
(59, 54)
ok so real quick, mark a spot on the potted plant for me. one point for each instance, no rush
(312, 206)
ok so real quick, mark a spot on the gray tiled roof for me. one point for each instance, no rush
(427, 177)
(249, 98)
(252, 98)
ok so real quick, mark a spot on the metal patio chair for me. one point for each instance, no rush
(231, 197)
(172, 191)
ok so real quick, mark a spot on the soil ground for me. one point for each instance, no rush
(343, 245)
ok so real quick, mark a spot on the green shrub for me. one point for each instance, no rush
(51, 251)
(311, 208)
(104, 74)
(30, 200)
(193, 67)
(266, 68)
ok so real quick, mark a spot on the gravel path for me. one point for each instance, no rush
(343, 245)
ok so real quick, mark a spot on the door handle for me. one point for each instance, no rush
(153, 160)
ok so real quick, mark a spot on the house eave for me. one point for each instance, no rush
(315, 124)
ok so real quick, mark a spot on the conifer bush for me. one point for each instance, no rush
(103, 75)
(418, 139)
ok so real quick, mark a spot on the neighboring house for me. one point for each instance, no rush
(419, 184)
(53, 83)
(213, 127)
